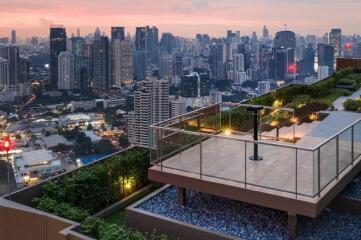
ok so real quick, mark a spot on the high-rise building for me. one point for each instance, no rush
(82, 73)
(122, 62)
(216, 60)
(118, 33)
(11, 54)
(285, 39)
(335, 40)
(78, 46)
(4, 72)
(152, 46)
(178, 65)
(195, 85)
(66, 71)
(166, 66)
(57, 45)
(140, 54)
(101, 62)
(13, 37)
(309, 59)
(177, 107)
(238, 62)
(168, 42)
(263, 87)
(151, 105)
(265, 32)
(323, 72)
(24, 67)
(326, 56)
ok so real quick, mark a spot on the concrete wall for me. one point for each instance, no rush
(21, 222)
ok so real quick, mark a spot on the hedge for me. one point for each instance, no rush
(90, 189)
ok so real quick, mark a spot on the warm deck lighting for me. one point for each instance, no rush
(128, 185)
(227, 132)
(273, 123)
(277, 103)
(294, 120)
(313, 117)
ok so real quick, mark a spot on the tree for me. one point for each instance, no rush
(104, 146)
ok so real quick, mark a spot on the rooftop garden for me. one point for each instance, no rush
(306, 100)
(87, 191)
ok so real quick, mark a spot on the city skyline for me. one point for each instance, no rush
(183, 18)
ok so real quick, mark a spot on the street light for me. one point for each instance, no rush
(6, 146)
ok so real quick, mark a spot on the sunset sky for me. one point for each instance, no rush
(182, 17)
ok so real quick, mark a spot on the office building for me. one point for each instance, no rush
(57, 45)
(151, 104)
(82, 73)
(285, 39)
(335, 40)
(13, 37)
(140, 54)
(11, 54)
(4, 72)
(238, 62)
(101, 62)
(323, 72)
(122, 62)
(326, 56)
(117, 33)
(66, 71)
(263, 87)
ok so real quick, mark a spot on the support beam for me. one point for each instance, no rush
(181, 192)
(292, 226)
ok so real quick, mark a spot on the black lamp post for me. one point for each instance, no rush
(255, 110)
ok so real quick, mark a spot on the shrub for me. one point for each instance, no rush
(352, 105)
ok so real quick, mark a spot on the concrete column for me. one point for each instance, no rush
(181, 196)
(292, 226)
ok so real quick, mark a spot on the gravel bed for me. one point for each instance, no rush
(249, 221)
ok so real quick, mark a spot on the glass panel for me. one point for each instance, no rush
(345, 146)
(223, 158)
(357, 140)
(328, 162)
(180, 151)
(305, 173)
(276, 170)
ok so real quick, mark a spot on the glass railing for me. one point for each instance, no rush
(216, 143)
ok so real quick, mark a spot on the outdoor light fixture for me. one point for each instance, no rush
(227, 132)
(255, 112)
(6, 146)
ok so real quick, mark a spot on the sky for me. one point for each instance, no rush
(181, 17)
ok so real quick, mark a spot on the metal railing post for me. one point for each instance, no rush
(319, 172)
(200, 157)
(160, 149)
(337, 156)
(352, 145)
(296, 174)
(245, 164)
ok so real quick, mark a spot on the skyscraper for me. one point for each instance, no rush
(66, 71)
(335, 39)
(122, 62)
(82, 73)
(4, 72)
(140, 55)
(238, 62)
(151, 105)
(265, 32)
(117, 33)
(57, 45)
(326, 56)
(11, 54)
(168, 42)
(101, 62)
(152, 45)
(285, 39)
(13, 37)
